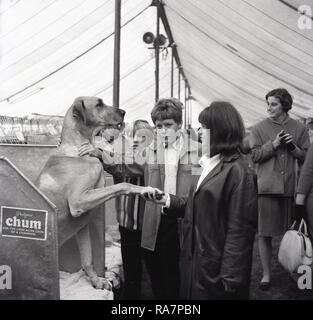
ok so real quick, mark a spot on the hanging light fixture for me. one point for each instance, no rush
(150, 38)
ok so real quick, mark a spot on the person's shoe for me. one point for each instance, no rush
(264, 285)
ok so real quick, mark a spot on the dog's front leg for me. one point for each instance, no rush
(83, 196)
(84, 245)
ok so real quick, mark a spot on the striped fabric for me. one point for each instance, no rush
(130, 208)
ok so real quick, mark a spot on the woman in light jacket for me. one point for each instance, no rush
(277, 143)
(220, 213)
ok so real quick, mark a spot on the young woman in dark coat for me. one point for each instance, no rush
(304, 197)
(220, 214)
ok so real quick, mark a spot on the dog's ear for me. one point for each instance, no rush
(122, 113)
(79, 110)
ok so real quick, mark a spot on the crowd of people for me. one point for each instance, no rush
(206, 195)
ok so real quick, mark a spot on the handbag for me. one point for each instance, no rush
(295, 248)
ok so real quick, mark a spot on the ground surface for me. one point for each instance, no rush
(284, 286)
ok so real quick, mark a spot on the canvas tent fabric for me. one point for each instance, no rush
(239, 50)
(54, 50)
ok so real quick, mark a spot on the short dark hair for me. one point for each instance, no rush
(284, 97)
(226, 127)
(170, 108)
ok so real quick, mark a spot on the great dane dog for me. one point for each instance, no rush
(76, 184)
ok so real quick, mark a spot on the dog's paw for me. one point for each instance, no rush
(101, 283)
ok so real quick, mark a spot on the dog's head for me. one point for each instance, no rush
(92, 112)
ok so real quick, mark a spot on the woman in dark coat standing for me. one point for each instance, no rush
(220, 213)
(305, 191)
(278, 142)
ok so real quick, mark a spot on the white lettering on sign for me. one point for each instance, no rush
(27, 224)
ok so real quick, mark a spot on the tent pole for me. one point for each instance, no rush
(187, 110)
(117, 54)
(172, 74)
(185, 113)
(178, 84)
(157, 56)
(190, 110)
(168, 31)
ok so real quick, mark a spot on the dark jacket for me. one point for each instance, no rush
(129, 208)
(276, 169)
(219, 225)
(305, 185)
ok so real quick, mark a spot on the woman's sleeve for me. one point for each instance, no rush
(302, 146)
(261, 152)
(242, 223)
(306, 174)
(121, 166)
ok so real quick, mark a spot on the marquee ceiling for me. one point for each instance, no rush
(54, 50)
(239, 50)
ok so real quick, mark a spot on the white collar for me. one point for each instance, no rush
(205, 161)
(177, 143)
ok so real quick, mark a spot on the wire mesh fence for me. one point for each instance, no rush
(37, 130)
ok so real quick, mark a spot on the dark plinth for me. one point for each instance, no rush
(34, 262)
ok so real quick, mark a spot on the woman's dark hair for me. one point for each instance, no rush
(226, 127)
(284, 97)
(170, 108)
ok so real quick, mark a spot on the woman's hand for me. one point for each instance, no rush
(227, 287)
(300, 199)
(278, 139)
(286, 140)
(155, 195)
(88, 148)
